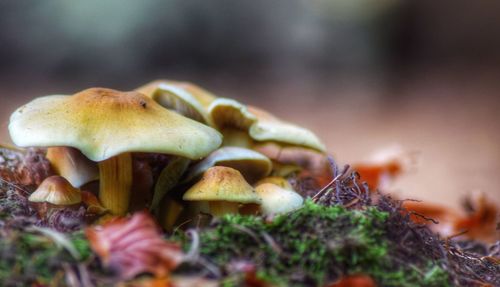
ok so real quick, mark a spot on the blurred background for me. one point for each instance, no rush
(363, 74)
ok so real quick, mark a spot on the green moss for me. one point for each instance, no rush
(29, 258)
(312, 246)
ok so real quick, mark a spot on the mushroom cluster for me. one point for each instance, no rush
(223, 156)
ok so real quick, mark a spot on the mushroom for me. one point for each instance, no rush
(56, 190)
(185, 98)
(71, 164)
(252, 165)
(106, 126)
(277, 199)
(224, 189)
(260, 125)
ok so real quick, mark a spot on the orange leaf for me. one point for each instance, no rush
(354, 281)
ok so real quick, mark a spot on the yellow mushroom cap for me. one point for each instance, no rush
(228, 112)
(103, 123)
(221, 183)
(187, 99)
(56, 190)
(260, 125)
(251, 164)
(276, 180)
(270, 128)
(276, 200)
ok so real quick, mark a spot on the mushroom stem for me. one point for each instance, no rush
(220, 208)
(115, 183)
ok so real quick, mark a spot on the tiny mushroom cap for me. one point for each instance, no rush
(71, 164)
(187, 99)
(277, 200)
(276, 180)
(106, 126)
(260, 125)
(251, 164)
(56, 190)
(224, 188)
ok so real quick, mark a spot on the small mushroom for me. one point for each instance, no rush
(224, 189)
(56, 190)
(106, 126)
(185, 98)
(252, 165)
(71, 164)
(277, 200)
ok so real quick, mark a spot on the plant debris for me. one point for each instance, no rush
(343, 232)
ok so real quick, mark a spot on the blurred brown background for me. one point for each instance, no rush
(362, 74)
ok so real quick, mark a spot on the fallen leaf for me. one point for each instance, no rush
(354, 281)
(481, 219)
(134, 245)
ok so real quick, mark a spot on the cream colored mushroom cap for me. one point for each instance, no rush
(229, 112)
(277, 200)
(261, 125)
(251, 164)
(221, 183)
(270, 128)
(187, 99)
(103, 123)
(56, 190)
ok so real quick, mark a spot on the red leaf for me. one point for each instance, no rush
(132, 246)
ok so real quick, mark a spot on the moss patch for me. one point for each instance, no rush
(312, 246)
(31, 258)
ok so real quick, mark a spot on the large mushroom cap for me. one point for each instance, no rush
(102, 123)
(260, 125)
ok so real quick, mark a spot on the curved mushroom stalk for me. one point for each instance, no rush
(115, 184)
(220, 208)
(236, 137)
(71, 164)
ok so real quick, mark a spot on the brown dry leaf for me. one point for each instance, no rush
(354, 281)
(134, 245)
(385, 165)
(92, 203)
(421, 212)
(481, 220)
(375, 174)
(478, 223)
(34, 168)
